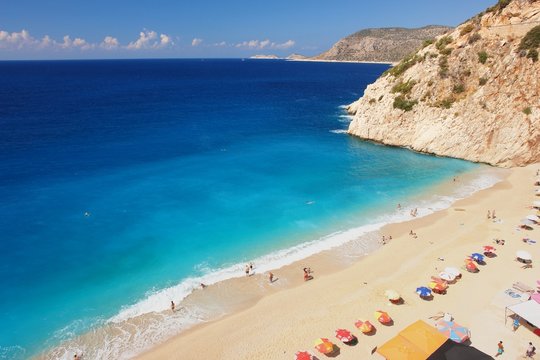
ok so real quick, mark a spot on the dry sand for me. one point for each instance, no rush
(291, 317)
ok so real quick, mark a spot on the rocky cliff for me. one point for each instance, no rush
(473, 93)
(381, 45)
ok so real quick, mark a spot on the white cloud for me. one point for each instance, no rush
(223, 43)
(196, 42)
(149, 40)
(265, 44)
(286, 45)
(109, 43)
(23, 40)
(16, 40)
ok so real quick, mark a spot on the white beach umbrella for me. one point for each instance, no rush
(446, 276)
(527, 222)
(536, 203)
(523, 255)
(452, 271)
(532, 217)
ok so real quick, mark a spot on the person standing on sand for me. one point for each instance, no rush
(515, 324)
(247, 270)
(493, 214)
(500, 348)
(530, 351)
(271, 277)
(172, 306)
(489, 214)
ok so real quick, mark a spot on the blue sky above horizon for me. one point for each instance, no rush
(68, 29)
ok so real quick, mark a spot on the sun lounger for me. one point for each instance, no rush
(522, 287)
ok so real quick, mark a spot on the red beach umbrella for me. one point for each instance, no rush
(383, 317)
(489, 249)
(324, 346)
(364, 326)
(344, 335)
(470, 266)
(303, 355)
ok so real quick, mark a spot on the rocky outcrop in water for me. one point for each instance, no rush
(473, 93)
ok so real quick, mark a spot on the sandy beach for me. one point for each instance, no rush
(295, 313)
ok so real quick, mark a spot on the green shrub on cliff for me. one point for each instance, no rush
(458, 88)
(466, 29)
(443, 66)
(482, 81)
(533, 54)
(499, 6)
(527, 111)
(403, 66)
(482, 57)
(531, 40)
(445, 103)
(403, 87)
(402, 103)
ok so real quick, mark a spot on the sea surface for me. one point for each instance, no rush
(124, 184)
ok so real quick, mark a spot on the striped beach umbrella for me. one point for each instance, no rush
(446, 276)
(453, 331)
(324, 346)
(364, 326)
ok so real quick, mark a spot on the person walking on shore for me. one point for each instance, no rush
(530, 351)
(172, 306)
(500, 348)
(271, 277)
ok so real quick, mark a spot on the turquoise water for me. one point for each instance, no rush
(119, 179)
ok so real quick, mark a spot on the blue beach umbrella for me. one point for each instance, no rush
(477, 257)
(423, 291)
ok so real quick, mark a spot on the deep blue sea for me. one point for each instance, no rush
(119, 179)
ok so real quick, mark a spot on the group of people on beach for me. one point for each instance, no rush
(385, 239)
(414, 212)
(491, 214)
(249, 269)
(413, 234)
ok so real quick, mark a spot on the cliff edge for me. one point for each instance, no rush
(473, 93)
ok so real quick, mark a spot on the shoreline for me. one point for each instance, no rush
(237, 293)
(352, 291)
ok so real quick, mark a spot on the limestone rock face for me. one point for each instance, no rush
(472, 94)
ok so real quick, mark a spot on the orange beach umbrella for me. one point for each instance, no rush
(344, 335)
(324, 346)
(382, 317)
(364, 326)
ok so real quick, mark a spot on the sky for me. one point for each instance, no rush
(91, 29)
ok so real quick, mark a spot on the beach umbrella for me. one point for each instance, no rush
(437, 286)
(536, 203)
(489, 249)
(344, 335)
(392, 295)
(324, 346)
(303, 355)
(452, 271)
(453, 331)
(364, 326)
(423, 291)
(477, 257)
(532, 218)
(523, 255)
(382, 317)
(470, 266)
(446, 276)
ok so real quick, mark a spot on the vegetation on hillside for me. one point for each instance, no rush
(530, 42)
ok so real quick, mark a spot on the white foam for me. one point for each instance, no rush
(339, 131)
